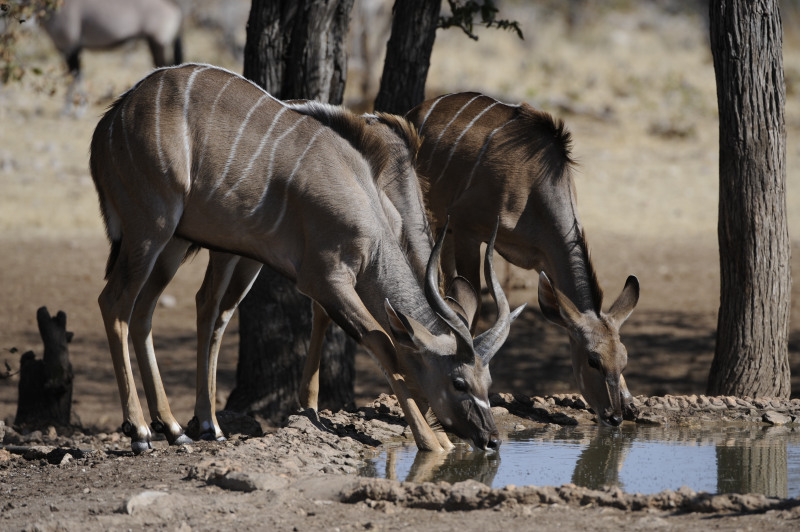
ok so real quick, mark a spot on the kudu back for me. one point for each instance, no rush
(198, 156)
(482, 159)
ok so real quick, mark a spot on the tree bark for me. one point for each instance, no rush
(45, 386)
(294, 50)
(408, 55)
(751, 357)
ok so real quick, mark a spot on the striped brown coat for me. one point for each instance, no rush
(481, 160)
(198, 156)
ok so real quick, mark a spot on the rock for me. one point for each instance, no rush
(775, 418)
(247, 482)
(498, 411)
(141, 501)
(649, 418)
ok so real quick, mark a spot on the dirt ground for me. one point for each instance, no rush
(636, 88)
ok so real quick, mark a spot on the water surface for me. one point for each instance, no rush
(636, 459)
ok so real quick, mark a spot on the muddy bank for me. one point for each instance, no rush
(67, 478)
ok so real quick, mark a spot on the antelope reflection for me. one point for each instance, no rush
(458, 465)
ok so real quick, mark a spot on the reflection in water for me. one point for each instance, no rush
(456, 466)
(601, 462)
(754, 462)
(633, 458)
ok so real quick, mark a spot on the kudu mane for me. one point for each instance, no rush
(541, 139)
(350, 127)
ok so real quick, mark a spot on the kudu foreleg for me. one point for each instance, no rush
(309, 384)
(383, 350)
(227, 281)
(343, 302)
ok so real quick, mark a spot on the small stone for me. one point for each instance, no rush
(141, 500)
(775, 418)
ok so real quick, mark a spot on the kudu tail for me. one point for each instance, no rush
(99, 166)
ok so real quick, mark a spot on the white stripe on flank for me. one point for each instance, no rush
(480, 402)
(272, 162)
(159, 149)
(284, 204)
(433, 105)
(444, 130)
(455, 144)
(239, 133)
(263, 143)
(186, 147)
(209, 127)
(483, 150)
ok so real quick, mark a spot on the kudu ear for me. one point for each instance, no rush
(555, 306)
(407, 331)
(626, 301)
(463, 299)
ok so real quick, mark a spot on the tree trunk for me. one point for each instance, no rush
(408, 55)
(751, 356)
(45, 386)
(294, 50)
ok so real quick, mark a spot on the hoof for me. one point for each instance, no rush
(182, 440)
(310, 413)
(140, 440)
(210, 435)
(140, 446)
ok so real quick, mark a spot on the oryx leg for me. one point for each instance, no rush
(128, 275)
(309, 384)
(227, 281)
(162, 420)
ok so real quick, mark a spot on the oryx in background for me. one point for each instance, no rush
(101, 24)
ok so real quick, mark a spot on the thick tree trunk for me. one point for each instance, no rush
(295, 50)
(45, 386)
(408, 55)
(751, 357)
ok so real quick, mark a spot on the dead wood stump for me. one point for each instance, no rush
(45, 386)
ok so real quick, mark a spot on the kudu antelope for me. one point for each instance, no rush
(402, 203)
(481, 159)
(198, 156)
(101, 24)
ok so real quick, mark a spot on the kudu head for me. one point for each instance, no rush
(598, 356)
(452, 371)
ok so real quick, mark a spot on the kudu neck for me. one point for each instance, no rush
(572, 272)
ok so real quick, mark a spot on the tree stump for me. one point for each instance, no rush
(45, 386)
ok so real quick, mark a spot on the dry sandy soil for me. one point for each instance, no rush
(636, 88)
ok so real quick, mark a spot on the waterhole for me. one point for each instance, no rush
(635, 459)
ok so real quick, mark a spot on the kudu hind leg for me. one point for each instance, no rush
(125, 281)
(227, 281)
(162, 420)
